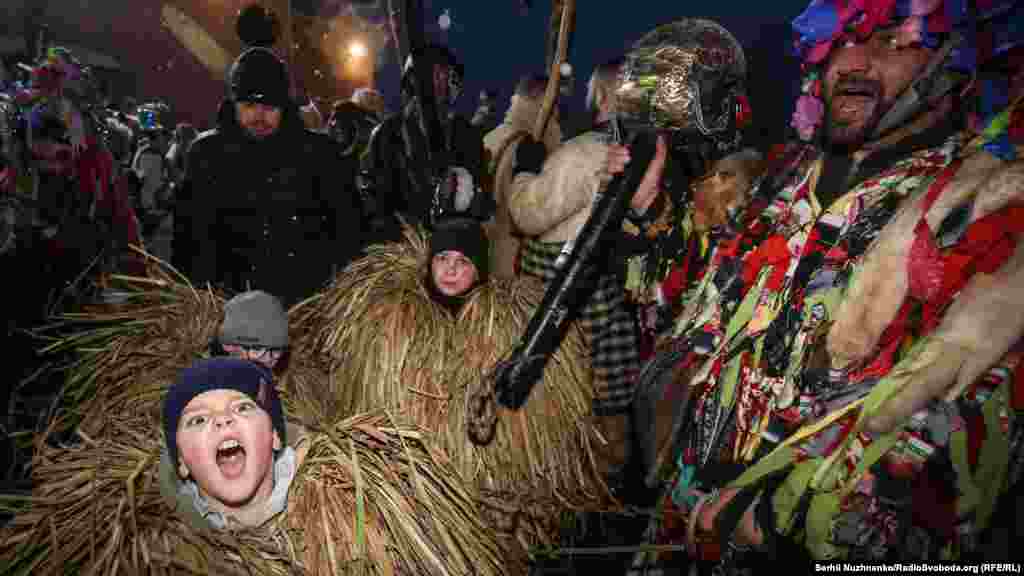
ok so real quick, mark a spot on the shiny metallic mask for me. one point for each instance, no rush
(661, 83)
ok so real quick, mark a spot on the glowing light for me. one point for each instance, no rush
(357, 50)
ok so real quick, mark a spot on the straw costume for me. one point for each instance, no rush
(153, 326)
(377, 489)
(367, 498)
(392, 346)
(338, 366)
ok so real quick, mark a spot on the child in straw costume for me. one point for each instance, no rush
(252, 495)
(399, 341)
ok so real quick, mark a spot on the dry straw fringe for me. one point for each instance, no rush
(373, 340)
(126, 353)
(391, 346)
(370, 498)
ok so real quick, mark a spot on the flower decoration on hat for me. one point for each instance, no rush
(825, 24)
(985, 33)
(59, 89)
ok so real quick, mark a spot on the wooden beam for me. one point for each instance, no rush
(565, 18)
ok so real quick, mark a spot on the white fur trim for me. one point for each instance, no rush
(464, 188)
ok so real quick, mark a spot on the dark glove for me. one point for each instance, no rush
(530, 156)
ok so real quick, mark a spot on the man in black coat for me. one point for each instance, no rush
(266, 204)
(391, 161)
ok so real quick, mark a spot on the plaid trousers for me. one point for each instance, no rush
(610, 329)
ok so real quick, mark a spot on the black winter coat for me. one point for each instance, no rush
(280, 215)
(392, 177)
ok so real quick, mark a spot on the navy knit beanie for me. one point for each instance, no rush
(223, 373)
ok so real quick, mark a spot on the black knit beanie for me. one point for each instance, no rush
(259, 76)
(463, 235)
(224, 373)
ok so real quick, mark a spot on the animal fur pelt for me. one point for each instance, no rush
(883, 282)
(981, 325)
(501, 144)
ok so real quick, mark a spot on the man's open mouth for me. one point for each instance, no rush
(854, 101)
(856, 92)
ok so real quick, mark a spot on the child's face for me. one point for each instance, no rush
(453, 273)
(226, 443)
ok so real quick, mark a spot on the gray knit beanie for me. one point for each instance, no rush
(255, 319)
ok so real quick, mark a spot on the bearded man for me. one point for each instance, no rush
(855, 341)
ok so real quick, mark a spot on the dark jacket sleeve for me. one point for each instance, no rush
(195, 248)
(385, 191)
(340, 196)
(378, 163)
(181, 245)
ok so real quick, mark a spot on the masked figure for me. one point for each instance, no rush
(450, 183)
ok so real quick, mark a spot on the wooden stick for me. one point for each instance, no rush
(567, 16)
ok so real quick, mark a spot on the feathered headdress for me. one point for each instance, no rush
(60, 88)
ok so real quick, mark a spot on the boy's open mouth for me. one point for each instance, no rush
(231, 458)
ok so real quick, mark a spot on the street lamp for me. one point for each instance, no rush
(357, 49)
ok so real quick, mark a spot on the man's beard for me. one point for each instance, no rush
(852, 113)
(257, 137)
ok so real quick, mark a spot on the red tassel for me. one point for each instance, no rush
(1017, 390)
(744, 114)
(925, 266)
